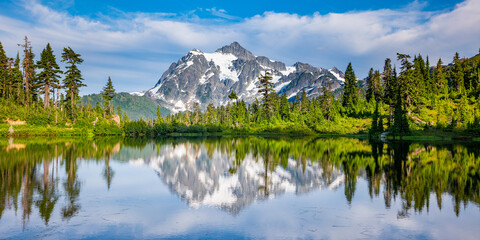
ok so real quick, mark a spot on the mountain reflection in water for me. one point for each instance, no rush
(37, 175)
(231, 176)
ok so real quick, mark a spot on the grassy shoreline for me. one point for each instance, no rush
(54, 131)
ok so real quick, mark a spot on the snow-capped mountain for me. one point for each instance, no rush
(209, 78)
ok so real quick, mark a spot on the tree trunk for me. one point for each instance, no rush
(46, 98)
(71, 102)
(58, 97)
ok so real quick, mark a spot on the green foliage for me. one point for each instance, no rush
(350, 95)
(105, 127)
(400, 123)
(137, 128)
(135, 107)
(48, 78)
(233, 95)
(108, 93)
(72, 81)
(267, 91)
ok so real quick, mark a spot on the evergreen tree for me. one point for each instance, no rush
(119, 112)
(241, 113)
(388, 86)
(275, 105)
(305, 103)
(350, 95)
(457, 74)
(48, 77)
(266, 90)
(419, 84)
(370, 85)
(439, 79)
(406, 82)
(373, 129)
(326, 100)
(108, 94)
(400, 124)
(73, 79)
(256, 111)
(159, 119)
(297, 107)
(233, 95)
(377, 93)
(210, 115)
(17, 81)
(427, 76)
(284, 107)
(4, 76)
(28, 66)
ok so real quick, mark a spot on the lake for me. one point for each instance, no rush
(238, 188)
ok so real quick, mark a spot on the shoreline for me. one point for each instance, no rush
(36, 131)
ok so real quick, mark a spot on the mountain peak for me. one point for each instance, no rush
(196, 50)
(235, 44)
(335, 69)
(301, 67)
(206, 78)
(236, 49)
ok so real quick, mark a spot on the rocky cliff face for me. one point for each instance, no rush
(209, 77)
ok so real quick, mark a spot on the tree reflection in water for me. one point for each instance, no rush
(255, 168)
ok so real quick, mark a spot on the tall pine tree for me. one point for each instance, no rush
(377, 93)
(284, 107)
(17, 81)
(266, 90)
(73, 79)
(406, 81)
(326, 100)
(441, 83)
(108, 94)
(350, 95)
(4, 76)
(457, 75)
(28, 66)
(370, 85)
(48, 77)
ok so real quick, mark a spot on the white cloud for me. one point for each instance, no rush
(364, 37)
(221, 13)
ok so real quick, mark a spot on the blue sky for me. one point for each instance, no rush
(239, 9)
(134, 42)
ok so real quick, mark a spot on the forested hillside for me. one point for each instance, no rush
(135, 107)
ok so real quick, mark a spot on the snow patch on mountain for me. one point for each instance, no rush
(180, 106)
(290, 69)
(225, 63)
(251, 86)
(280, 86)
(275, 78)
(205, 77)
(155, 90)
(336, 75)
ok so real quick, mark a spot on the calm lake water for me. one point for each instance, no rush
(237, 188)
